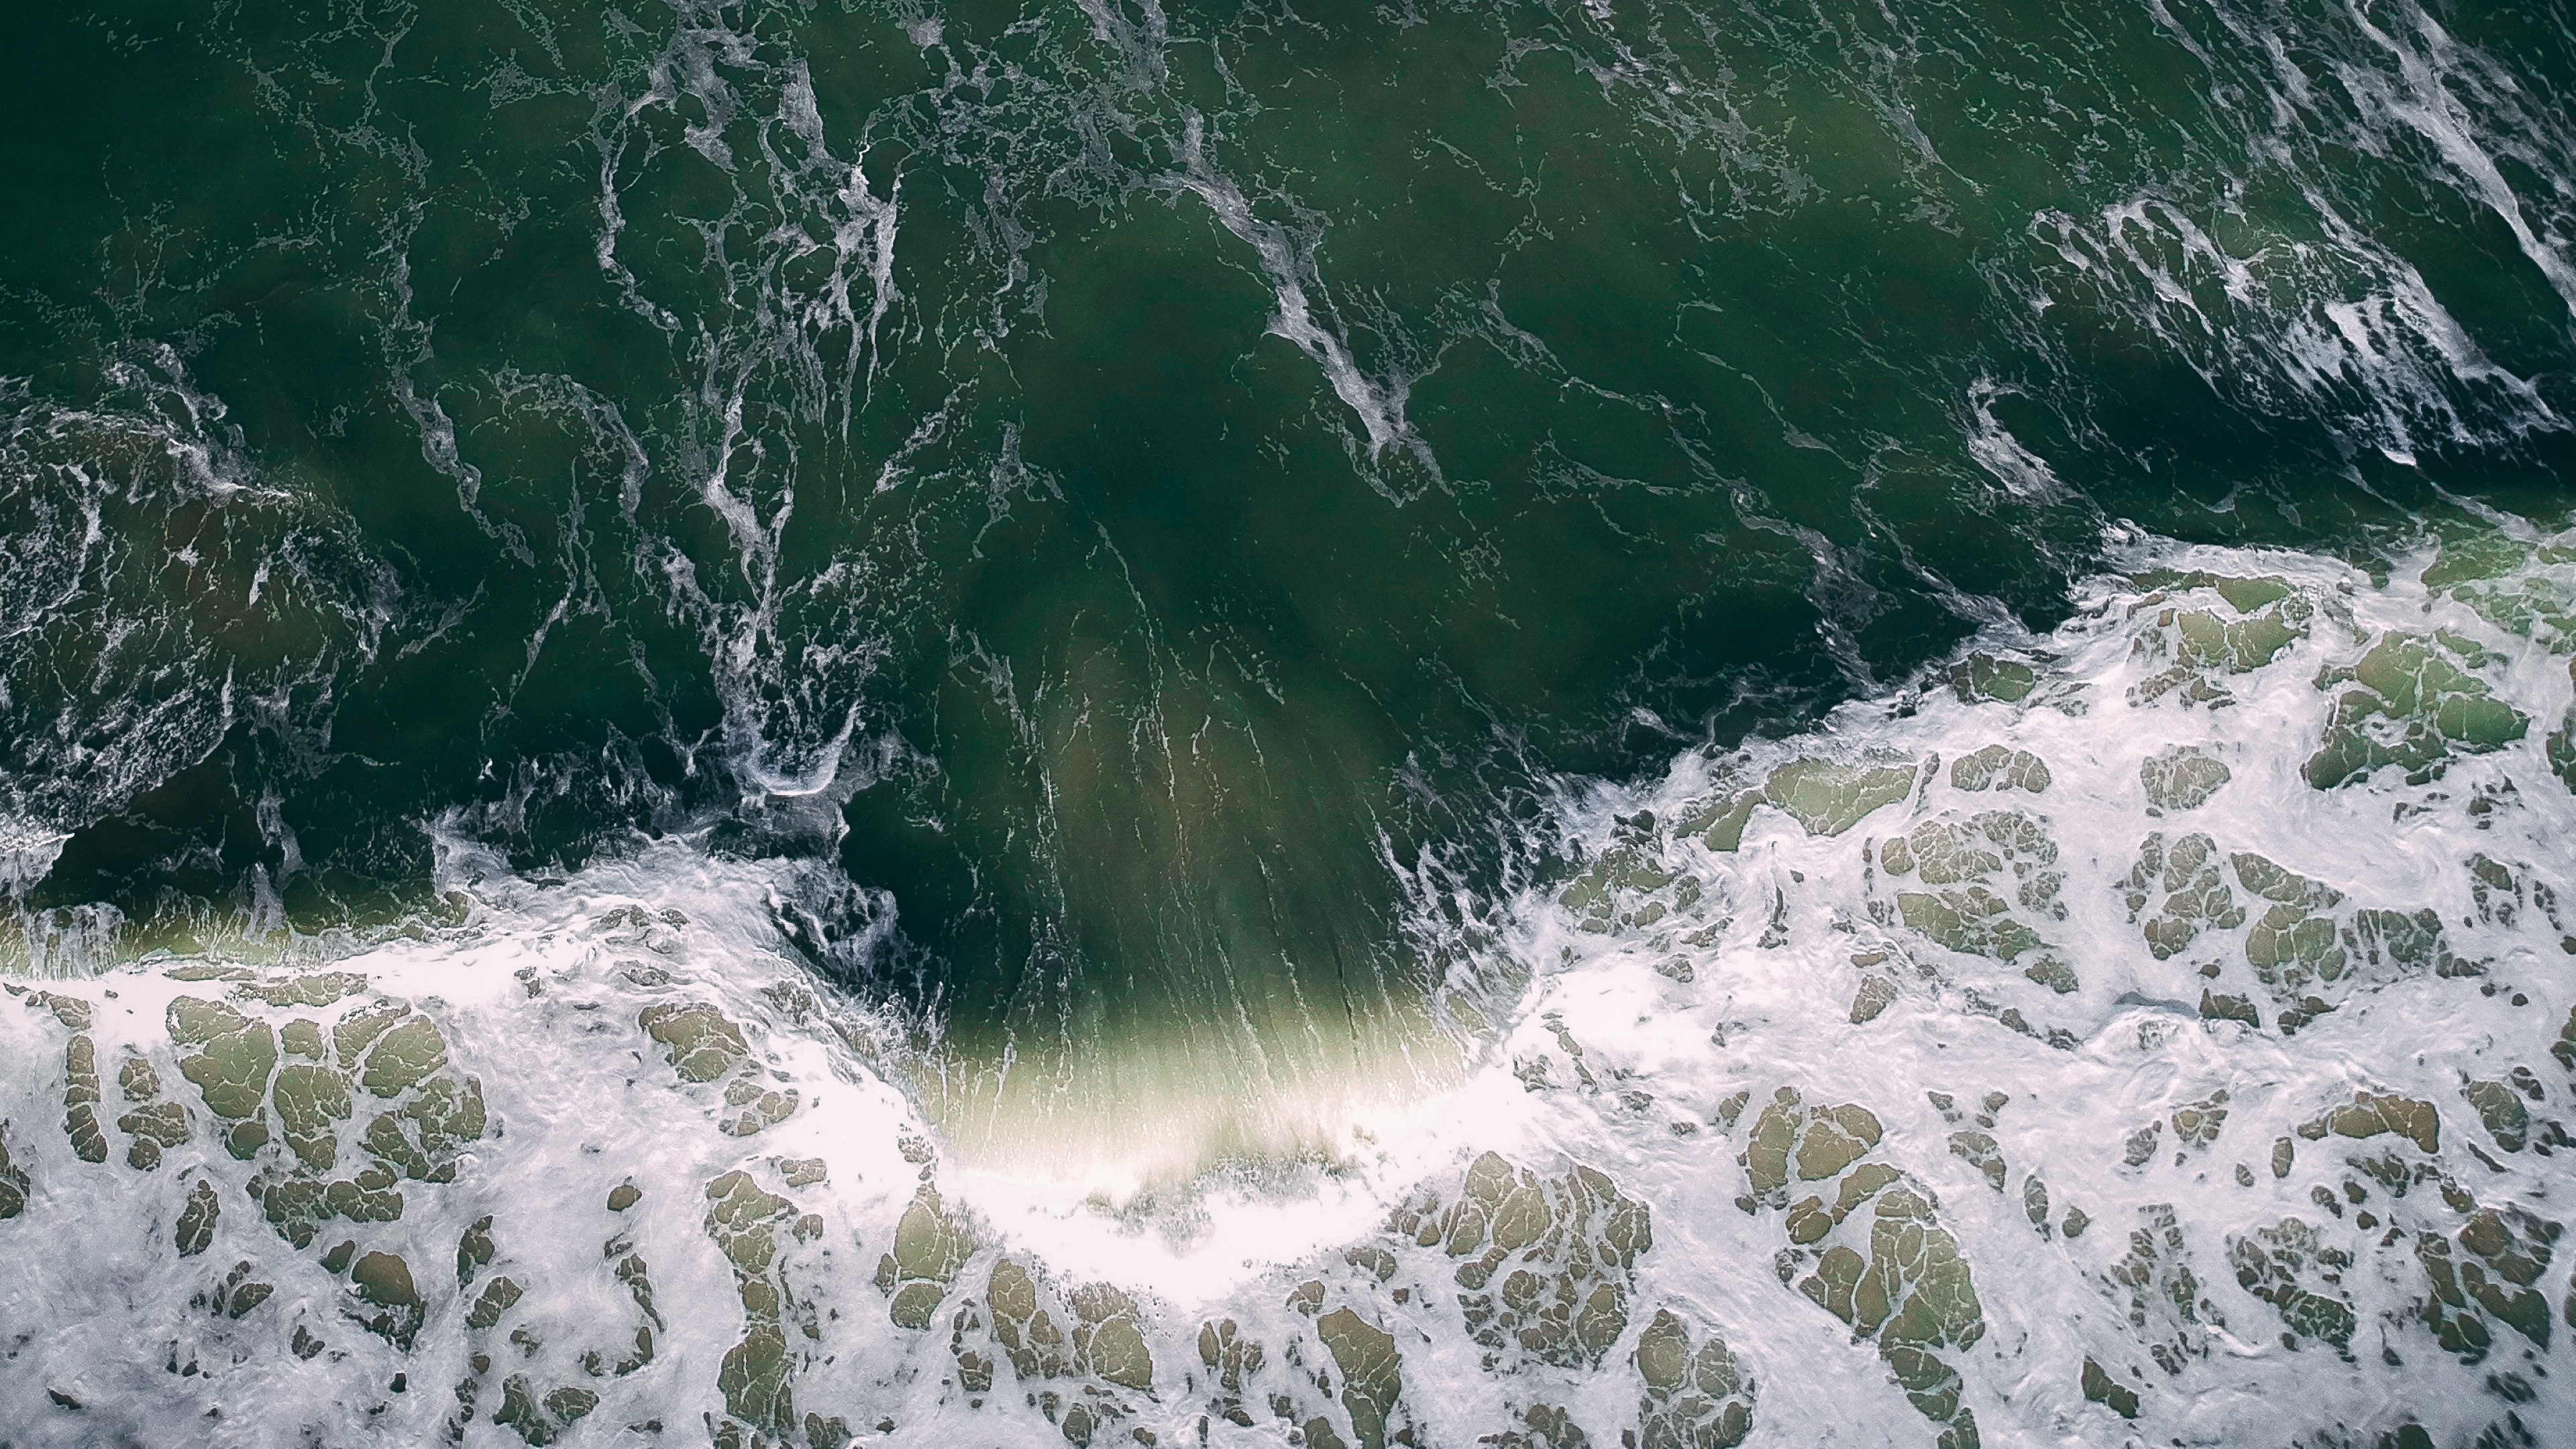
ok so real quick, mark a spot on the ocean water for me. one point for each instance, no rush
(1325, 725)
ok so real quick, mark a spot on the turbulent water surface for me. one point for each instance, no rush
(1530, 724)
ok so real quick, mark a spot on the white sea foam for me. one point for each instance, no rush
(1745, 926)
(1288, 260)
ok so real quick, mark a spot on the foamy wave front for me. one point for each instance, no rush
(2160, 1030)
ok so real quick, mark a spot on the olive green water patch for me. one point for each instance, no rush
(975, 1367)
(2200, 647)
(197, 1219)
(404, 1056)
(2244, 595)
(355, 1032)
(1944, 852)
(1548, 1264)
(449, 1113)
(80, 1100)
(2495, 1277)
(2560, 748)
(2299, 1275)
(1108, 1337)
(2180, 777)
(1095, 1333)
(2486, 570)
(75, 1014)
(1983, 677)
(1912, 1254)
(1980, 1151)
(744, 1221)
(2310, 954)
(1834, 1138)
(152, 1126)
(2404, 943)
(2052, 973)
(1372, 1372)
(1233, 1355)
(138, 1079)
(1827, 797)
(311, 1103)
(383, 1298)
(475, 1250)
(239, 1295)
(14, 1181)
(1720, 823)
(636, 1275)
(2198, 1125)
(1971, 860)
(756, 1375)
(703, 1044)
(929, 1248)
(541, 1422)
(1999, 767)
(1872, 998)
(2099, 1387)
(1027, 1330)
(2034, 1204)
(518, 1411)
(234, 1058)
(152, 1130)
(2193, 896)
(421, 1139)
(497, 1298)
(2473, 554)
(1695, 1398)
(303, 1037)
(80, 1068)
(1624, 889)
(2500, 1109)
(569, 1404)
(1812, 1219)
(2293, 944)
(1822, 1141)
(761, 1107)
(2539, 608)
(2505, 894)
(2372, 1114)
(2167, 1309)
(2564, 1049)
(320, 989)
(2413, 705)
(1974, 921)
(297, 1206)
(1892, 1272)
(1538, 1426)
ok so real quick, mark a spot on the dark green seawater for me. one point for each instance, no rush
(1154, 505)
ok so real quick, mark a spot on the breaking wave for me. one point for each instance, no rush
(2159, 1027)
